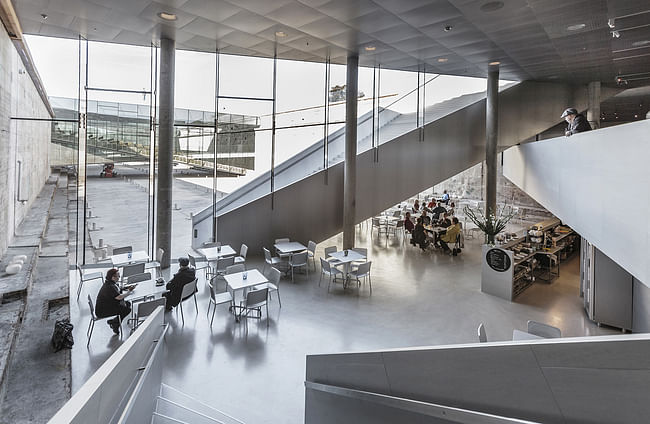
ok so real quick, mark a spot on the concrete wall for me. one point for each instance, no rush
(312, 210)
(19, 140)
(567, 380)
(597, 183)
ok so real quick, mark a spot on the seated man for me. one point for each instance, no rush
(444, 221)
(450, 235)
(408, 224)
(425, 219)
(445, 197)
(419, 235)
(438, 211)
(185, 275)
(110, 300)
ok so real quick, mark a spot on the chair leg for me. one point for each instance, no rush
(196, 305)
(81, 283)
(292, 280)
(91, 327)
(213, 311)
(209, 304)
(279, 301)
(182, 316)
(267, 312)
(370, 283)
(321, 278)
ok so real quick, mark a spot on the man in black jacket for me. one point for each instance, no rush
(577, 122)
(184, 276)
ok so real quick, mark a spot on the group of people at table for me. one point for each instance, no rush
(440, 229)
(111, 299)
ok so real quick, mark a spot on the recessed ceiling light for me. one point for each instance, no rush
(443, 60)
(641, 43)
(496, 62)
(576, 27)
(44, 16)
(280, 34)
(492, 6)
(167, 16)
(371, 48)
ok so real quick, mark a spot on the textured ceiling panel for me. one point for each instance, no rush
(539, 39)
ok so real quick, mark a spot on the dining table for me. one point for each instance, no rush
(214, 253)
(345, 258)
(289, 247)
(242, 281)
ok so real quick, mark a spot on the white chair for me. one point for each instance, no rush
(87, 277)
(254, 301)
(241, 259)
(362, 251)
(218, 298)
(363, 271)
(311, 252)
(233, 269)
(223, 264)
(136, 278)
(482, 336)
(124, 249)
(189, 289)
(397, 214)
(273, 284)
(399, 229)
(145, 309)
(379, 224)
(93, 318)
(198, 263)
(544, 330)
(156, 264)
(272, 261)
(298, 260)
(328, 251)
(327, 269)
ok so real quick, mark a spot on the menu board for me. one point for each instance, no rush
(498, 260)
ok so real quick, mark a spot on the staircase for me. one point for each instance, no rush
(174, 406)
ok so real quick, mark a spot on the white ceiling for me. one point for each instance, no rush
(530, 38)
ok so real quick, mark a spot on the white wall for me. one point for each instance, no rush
(598, 183)
(19, 140)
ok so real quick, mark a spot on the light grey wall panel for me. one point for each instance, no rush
(641, 308)
(584, 179)
(312, 210)
(589, 379)
(612, 292)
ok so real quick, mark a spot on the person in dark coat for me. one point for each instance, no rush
(110, 300)
(419, 236)
(577, 122)
(185, 275)
(408, 224)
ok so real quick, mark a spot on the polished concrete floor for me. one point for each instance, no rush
(256, 373)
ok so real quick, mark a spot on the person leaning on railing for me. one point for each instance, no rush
(576, 122)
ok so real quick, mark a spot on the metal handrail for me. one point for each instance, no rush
(448, 413)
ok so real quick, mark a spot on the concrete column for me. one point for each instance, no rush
(492, 134)
(593, 105)
(350, 176)
(165, 149)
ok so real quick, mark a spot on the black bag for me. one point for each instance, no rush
(62, 336)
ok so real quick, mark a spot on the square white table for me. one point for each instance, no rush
(237, 282)
(212, 253)
(123, 258)
(346, 260)
(289, 247)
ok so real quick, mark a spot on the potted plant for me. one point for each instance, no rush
(491, 225)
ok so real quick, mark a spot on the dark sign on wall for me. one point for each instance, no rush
(498, 260)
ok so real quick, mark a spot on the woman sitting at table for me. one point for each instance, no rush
(419, 236)
(426, 220)
(452, 209)
(408, 224)
(416, 206)
(110, 300)
(185, 275)
(450, 236)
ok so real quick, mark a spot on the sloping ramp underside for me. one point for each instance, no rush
(598, 183)
(312, 209)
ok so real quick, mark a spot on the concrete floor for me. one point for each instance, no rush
(418, 299)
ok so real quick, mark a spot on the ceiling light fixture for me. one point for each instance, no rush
(492, 6)
(611, 23)
(576, 27)
(371, 48)
(641, 43)
(43, 16)
(448, 28)
(167, 16)
(616, 34)
(280, 34)
(443, 60)
(494, 63)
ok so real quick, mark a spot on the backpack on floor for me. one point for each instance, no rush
(62, 336)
